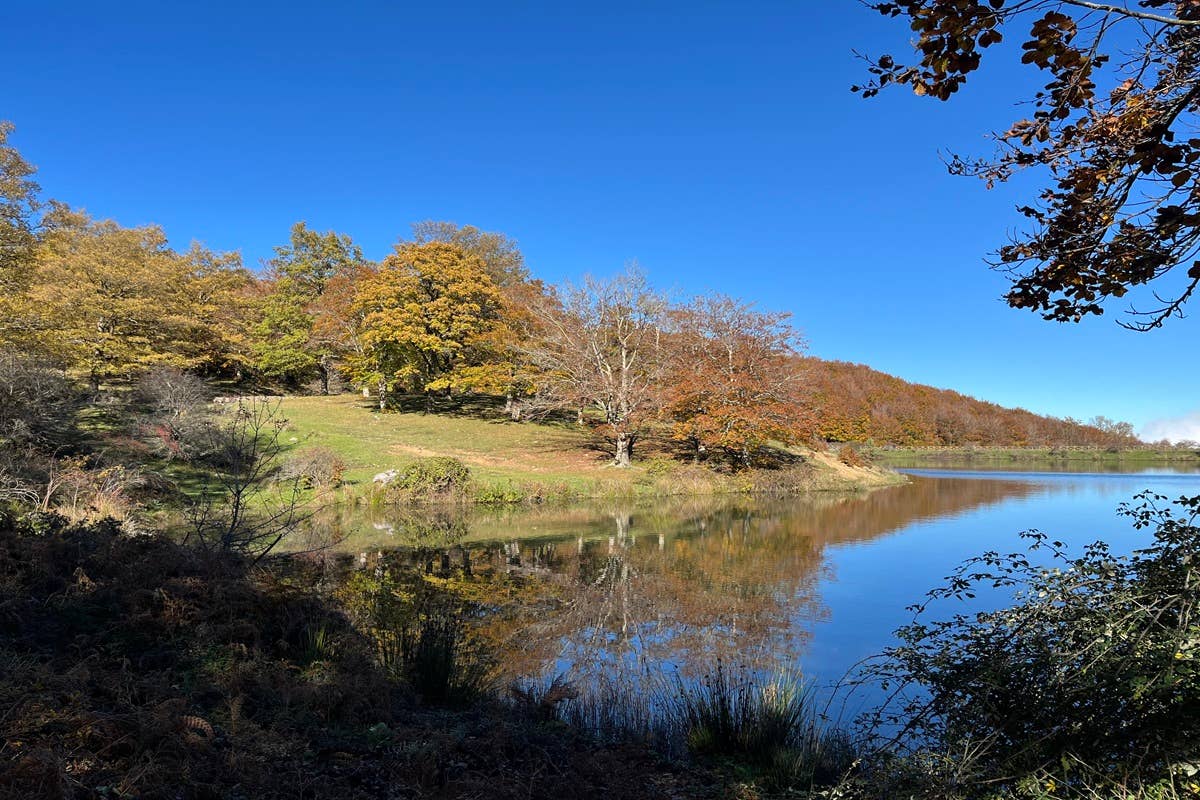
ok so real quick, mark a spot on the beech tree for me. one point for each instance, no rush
(222, 295)
(108, 301)
(18, 208)
(502, 259)
(424, 314)
(600, 345)
(1113, 131)
(299, 273)
(734, 378)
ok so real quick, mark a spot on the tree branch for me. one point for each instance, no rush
(1128, 12)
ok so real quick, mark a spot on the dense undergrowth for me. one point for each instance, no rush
(134, 667)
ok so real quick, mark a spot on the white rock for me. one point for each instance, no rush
(384, 478)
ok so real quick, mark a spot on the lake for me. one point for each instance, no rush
(811, 584)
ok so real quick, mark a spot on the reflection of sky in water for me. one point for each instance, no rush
(871, 583)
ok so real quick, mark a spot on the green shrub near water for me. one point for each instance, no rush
(1087, 686)
(437, 477)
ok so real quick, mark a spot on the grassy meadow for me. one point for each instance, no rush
(537, 460)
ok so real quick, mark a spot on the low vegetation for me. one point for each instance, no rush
(1085, 687)
(134, 667)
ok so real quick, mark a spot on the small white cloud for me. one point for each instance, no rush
(1177, 429)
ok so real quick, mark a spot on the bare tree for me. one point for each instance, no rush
(37, 402)
(599, 345)
(255, 508)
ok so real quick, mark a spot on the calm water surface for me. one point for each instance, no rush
(812, 584)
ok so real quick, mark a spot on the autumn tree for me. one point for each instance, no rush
(425, 314)
(733, 379)
(291, 345)
(502, 259)
(600, 345)
(222, 295)
(18, 209)
(108, 301)
(1114, 137)
(505, 370)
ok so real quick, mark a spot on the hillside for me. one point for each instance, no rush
(854, 403)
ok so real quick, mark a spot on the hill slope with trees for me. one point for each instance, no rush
(854, 403)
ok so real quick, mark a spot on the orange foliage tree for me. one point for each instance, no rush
(733, 383)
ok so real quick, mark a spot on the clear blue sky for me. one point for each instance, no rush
(716, 143)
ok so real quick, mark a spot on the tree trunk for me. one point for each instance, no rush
(383, 395)
(624, 450)
(323, 373)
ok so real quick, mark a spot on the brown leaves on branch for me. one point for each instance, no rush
(1122, 203)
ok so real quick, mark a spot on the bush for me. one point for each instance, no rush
(176, 423)
(37, 403)
(660, 467)
(496, 494)
(1090, 681)
(171, 392)
(431, 478)
(848, 454)
(315, 468)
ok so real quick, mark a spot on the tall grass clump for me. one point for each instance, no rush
(726, 713)
(612, 708)
(441, 663)
(769, 724)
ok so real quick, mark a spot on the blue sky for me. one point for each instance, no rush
(716, 143)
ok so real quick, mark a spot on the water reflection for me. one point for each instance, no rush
(623, 588)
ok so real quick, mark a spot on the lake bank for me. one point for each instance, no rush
(305, 676)
(1055, 458)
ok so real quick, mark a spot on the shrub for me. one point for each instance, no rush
(1090, 679)
(253, 510)
(848, 454)
(660, 467)
(171, 392)
(37, 403)
(315, 468)
(176, 423)
(497, 494)
(430, 478)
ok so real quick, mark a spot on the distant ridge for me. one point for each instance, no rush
(855, 403)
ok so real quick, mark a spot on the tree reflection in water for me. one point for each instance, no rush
(628, 592)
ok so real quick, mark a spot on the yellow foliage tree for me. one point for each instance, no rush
(425, 313)
(109, 302)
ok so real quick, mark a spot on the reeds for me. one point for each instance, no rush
(769, 724)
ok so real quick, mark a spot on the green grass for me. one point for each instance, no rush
(496, 451)
(510, 462)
